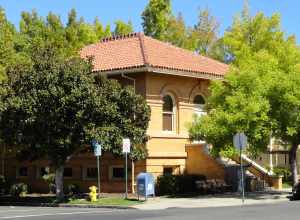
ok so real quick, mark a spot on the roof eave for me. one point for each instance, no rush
(199, 75)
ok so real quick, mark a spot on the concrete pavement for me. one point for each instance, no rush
(212, 201)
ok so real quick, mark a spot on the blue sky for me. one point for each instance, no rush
(111, 10)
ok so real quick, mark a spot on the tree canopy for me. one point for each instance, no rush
(156, 18)
(258, 95)
(56, 107)
(159, 22)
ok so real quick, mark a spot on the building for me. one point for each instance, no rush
(174, 83)
(276, 156)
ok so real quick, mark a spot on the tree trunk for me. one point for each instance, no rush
(59, 175)
(293, 162)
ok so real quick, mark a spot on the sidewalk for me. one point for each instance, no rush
(213, 200)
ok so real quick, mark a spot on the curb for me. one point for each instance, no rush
(65, 205)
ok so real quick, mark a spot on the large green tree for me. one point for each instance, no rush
(57, 106)
(123, 28)
(205, 32)
(156, 17)
(258, 96)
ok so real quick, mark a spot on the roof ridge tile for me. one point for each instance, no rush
(143, 48)
(120, 37)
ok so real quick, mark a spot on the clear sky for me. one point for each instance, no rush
(110, 10)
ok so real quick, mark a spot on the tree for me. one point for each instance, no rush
(258, 96)
(7, 35)
(100, 30)
(123, 28)
(285, 101)
(55, 108)
(156, 18)
(238, 104)
(205, 32)
(68, 39)
(178, 33)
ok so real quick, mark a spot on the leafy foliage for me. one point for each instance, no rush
(156, 18)
(123, 28)
(259, 96)
(242, 102)
(56, 107)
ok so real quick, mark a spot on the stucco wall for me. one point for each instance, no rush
(199, 162)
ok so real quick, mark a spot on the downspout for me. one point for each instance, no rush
(132, 162)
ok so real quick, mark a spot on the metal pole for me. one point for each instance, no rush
(132, 177)
(126, 190)
(98, 167)
(242, 176)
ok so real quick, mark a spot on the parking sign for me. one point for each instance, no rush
(126, 145)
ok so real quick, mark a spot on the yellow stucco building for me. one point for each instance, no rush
(174, 83)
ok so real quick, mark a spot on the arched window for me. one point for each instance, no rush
(199, 103)
(168, 113)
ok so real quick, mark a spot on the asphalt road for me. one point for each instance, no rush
(278, 211)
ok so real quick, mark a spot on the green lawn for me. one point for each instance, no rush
(107, 201)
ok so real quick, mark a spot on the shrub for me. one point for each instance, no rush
(177, 184)
(19, 189)
(282, 171)
(50, 179)
(73, 189)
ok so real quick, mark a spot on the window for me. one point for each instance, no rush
(168, 113)
(118, 172)
(168, 171)
(91, 173)
(68, 172)
(22, 172)
(199, 103)
(42, 171)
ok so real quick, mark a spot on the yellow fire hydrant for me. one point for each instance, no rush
(93, 193)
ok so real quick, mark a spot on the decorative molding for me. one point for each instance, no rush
(167, 135)
(167, 155)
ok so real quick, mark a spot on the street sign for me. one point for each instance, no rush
(126, 145)
(98, 153)
(126, 150)
(240, 141)
(97, 148)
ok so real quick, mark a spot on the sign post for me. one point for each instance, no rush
(97, 152)
(240, 142)
(126, 150)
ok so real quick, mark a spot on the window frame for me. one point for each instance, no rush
(173, 113)
(85, 172)
(72, 173)
(18, 176)
(199, 108)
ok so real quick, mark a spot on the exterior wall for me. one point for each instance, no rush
(183, 89)
(78, 165)
(170, 149)
(199, 162)
(166, 149)
(278, 160)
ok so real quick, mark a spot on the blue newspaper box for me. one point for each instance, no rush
(145, 185)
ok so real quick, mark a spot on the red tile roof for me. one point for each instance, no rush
(136, 50)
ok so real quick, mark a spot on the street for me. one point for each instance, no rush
(278, 211)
